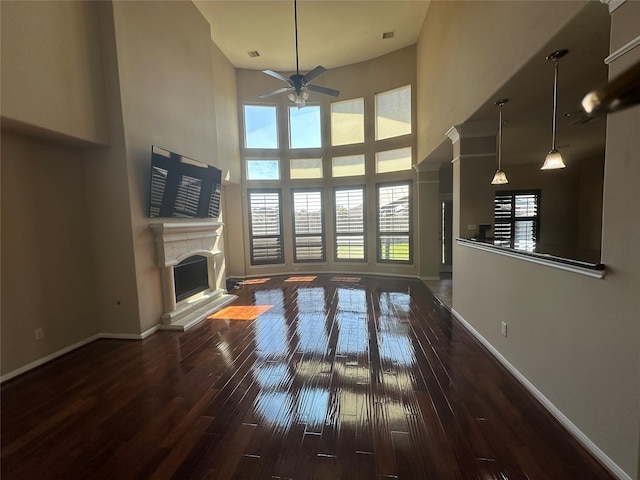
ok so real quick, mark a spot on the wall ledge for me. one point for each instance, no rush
(574, 266)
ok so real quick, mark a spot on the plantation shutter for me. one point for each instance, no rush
(349, 218)
(265, 227)
(308, 226)
(394, 223)
(517, 220)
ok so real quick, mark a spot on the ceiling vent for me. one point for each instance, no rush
(386, 35)
(254, 54)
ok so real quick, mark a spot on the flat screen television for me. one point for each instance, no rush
(183, 187)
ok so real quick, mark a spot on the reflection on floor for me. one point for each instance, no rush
(337, 380)
(442, 289)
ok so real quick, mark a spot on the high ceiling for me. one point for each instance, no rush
(330, 33)
(333, 33)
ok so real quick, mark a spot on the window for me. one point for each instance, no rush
(393, 113)
(301, 168)
(265, 227)
(304, 127)
(517, 219)
(308, 226)
(393, 160)
(347, 122)
(260, 127)
(347, 166)
(349, 223)
(263, 169)
(394, 222)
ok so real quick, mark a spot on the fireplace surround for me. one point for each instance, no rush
(176, 242)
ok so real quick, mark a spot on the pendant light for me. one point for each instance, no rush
(554, 159)
(500, 178)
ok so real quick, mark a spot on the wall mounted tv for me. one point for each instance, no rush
(182, 187)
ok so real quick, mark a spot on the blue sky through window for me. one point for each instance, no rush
(305, 127)
(260, 126)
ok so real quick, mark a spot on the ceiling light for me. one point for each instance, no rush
(299, 98)
(554, 159)
(500, 178)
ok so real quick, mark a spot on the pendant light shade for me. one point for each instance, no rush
(554, 159)
(500, 178)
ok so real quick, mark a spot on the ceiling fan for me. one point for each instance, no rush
(298, 85)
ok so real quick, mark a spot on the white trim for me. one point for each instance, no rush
(455, 159)
(551, 408)
(540, 261)
(48, 358)
(453, 133)
(75, 346)
(612, 4)
(622, 50)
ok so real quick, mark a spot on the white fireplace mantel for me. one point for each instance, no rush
(176, 241)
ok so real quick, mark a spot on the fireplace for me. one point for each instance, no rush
(192, 269)
(190, 277)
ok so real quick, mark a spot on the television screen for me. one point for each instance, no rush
(183, 187)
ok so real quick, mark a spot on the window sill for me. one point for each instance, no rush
(594, 270)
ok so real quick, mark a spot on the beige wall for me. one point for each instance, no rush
(225, 95)
(166, 85)
(159, 89)
(456, 74)
(61, 39)
(47, 263)
(574, 338)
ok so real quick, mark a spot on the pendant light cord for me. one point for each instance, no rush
(500, 140)
(555, 104)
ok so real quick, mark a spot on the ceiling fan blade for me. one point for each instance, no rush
(325, 90)
(275, 92)
(277, 75)
(315, 73)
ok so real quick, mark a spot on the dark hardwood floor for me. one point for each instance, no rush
(338, 380)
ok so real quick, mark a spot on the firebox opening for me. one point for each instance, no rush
(190, 277)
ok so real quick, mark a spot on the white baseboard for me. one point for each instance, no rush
(553, 410)
(48, 358)
(70, 348)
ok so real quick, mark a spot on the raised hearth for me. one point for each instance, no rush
(175, 242)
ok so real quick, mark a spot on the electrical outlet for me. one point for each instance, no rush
(503, 329)
(38, 333)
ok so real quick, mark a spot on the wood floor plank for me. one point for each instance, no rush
(371, 379)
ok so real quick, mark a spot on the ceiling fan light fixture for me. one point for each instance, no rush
(298, 85)
(299, 99)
